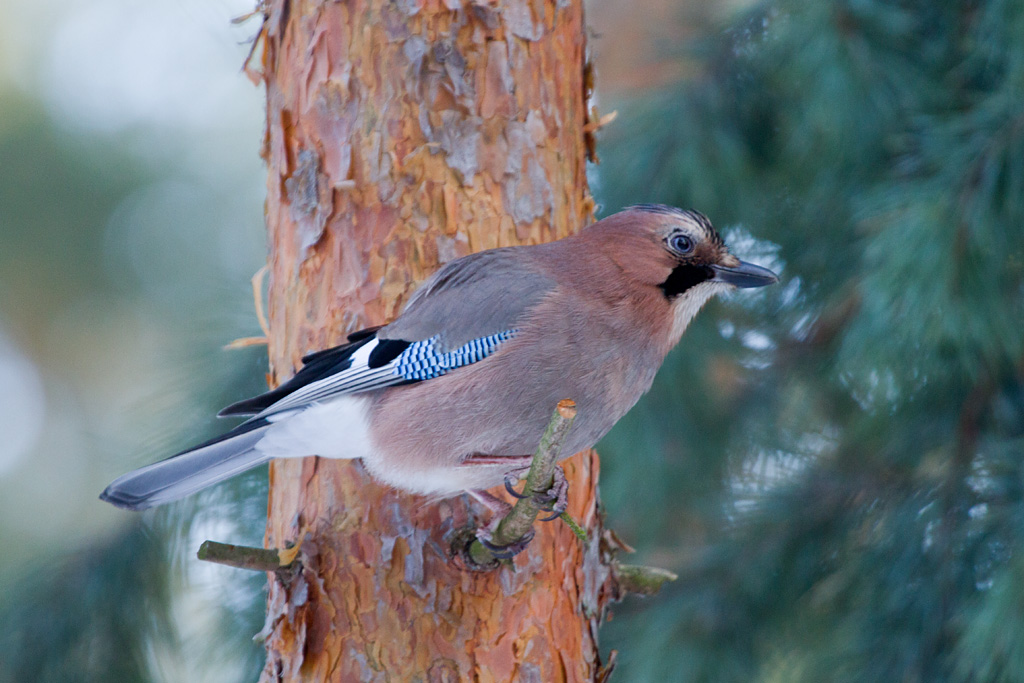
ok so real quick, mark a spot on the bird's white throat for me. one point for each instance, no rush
(689, 303)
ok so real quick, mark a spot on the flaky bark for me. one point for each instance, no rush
(401, 135)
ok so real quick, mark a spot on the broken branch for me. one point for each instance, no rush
(635, 578)
(246, 557)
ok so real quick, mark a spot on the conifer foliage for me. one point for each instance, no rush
(839, 464)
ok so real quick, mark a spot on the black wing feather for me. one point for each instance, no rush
(357, 336)
(386, 351)
(316, 366)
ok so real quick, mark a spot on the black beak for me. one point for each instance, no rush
(744, 275)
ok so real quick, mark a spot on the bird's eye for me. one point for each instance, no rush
(681, 244)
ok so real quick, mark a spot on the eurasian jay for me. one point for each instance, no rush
(455, 393)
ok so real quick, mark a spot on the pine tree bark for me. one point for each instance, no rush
(400, 135)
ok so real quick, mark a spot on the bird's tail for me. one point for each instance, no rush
(191, 470)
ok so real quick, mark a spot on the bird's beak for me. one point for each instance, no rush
(744, 275)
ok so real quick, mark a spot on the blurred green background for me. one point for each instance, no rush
(833, 466)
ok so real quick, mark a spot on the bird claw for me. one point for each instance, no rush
(553, 516)
(504, 552)
(509, 479)
(556, 498)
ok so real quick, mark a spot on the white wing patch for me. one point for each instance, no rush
(422, 360)
(357, 377)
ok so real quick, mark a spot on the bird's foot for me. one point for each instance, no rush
(554, 500)
(500, 510)
(503, 552)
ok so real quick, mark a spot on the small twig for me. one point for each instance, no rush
(604, 673)
(635, 578)
(576, 528)
(245, 342)
(596, 125)
(257, 296)
(246, 557)
(518, 523)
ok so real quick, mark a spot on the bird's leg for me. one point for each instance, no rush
(502, 552)
(490, 501)
(500, 508)
(556, 499)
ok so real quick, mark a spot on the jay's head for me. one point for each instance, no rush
(677, 251)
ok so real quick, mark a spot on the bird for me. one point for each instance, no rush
(454, 394)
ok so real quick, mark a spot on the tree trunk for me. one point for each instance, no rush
(400, 135)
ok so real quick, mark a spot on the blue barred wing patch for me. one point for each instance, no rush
(424, 360)
(373, 365)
